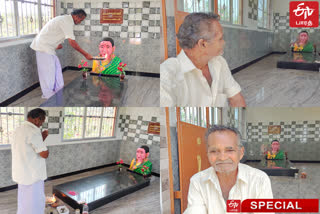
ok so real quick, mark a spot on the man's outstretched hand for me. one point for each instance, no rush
(88, 56)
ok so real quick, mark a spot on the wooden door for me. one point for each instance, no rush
(179, 18)
(192, 155)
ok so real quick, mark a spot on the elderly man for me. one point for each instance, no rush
(50, 37)
(28, 163)
(199, 76)
(227, 178)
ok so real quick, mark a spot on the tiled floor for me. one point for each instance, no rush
(263, 84)
(289, 187)
(33, 98)
(146, 200)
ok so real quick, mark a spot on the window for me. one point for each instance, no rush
(193, 115)
(90, 122)
(236, 118)
(21, 17)
(230, 11)
(192, 6)
(10, 119)
(263, 13)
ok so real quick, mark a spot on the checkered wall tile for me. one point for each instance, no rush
(141, 19)
(281, 23)
(53, 122)
(253, 9)
(293, 131)
(300, 139)
(136, 130)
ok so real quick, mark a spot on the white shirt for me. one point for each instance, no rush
(182, 84)
(205, 194)
(28, 166)
(54, 33)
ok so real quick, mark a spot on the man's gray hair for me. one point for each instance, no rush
(221, 128)
(196, 26)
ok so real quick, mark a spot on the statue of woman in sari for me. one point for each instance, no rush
(302, 44)
(141, 164)
(275, 153)
(111, 62)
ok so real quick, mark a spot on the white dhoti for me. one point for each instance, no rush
(50, 74)
(31, 198)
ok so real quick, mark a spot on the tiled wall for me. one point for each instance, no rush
(18, 69)
(137, 40)
(299, 138)
(133, 124)
(141, 19)
(253, 9)
(241, 45)
(53, 122)
(284, 35)
(67, 158)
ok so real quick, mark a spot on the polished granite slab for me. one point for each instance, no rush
(100, 189)
(93, 91)
(108, 91)
(299, 61)
(274, 167)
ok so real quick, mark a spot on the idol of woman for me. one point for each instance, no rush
(276, 153)
(302, 44)
(141, 164)
(111, 62)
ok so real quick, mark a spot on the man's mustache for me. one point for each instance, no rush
(224, 162)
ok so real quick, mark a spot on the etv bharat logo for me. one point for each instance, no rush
(304, 14)
(233, 205)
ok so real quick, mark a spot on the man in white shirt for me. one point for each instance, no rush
(227, 179)
(199, 76)
(47, 41)
(28, 163)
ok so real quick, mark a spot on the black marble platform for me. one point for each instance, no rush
(300, 61)
(274, 167)
(100, 189)
(94, 91)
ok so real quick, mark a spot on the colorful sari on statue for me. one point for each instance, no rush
(102, 67)
(278, 156)
(306, 48)
(141, 168)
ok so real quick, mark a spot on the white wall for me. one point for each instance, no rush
(282, 114)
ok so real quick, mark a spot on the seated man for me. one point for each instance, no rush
(199, 75)
(227, 179)
(111, 63)
(141, 165)
(276, 153)
(302, 44)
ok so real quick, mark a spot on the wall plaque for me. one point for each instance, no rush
(114, 16)
(274, 129)
(154, 128)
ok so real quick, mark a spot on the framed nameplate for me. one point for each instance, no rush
(114, 16)
(274, 129)
(154, 128)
